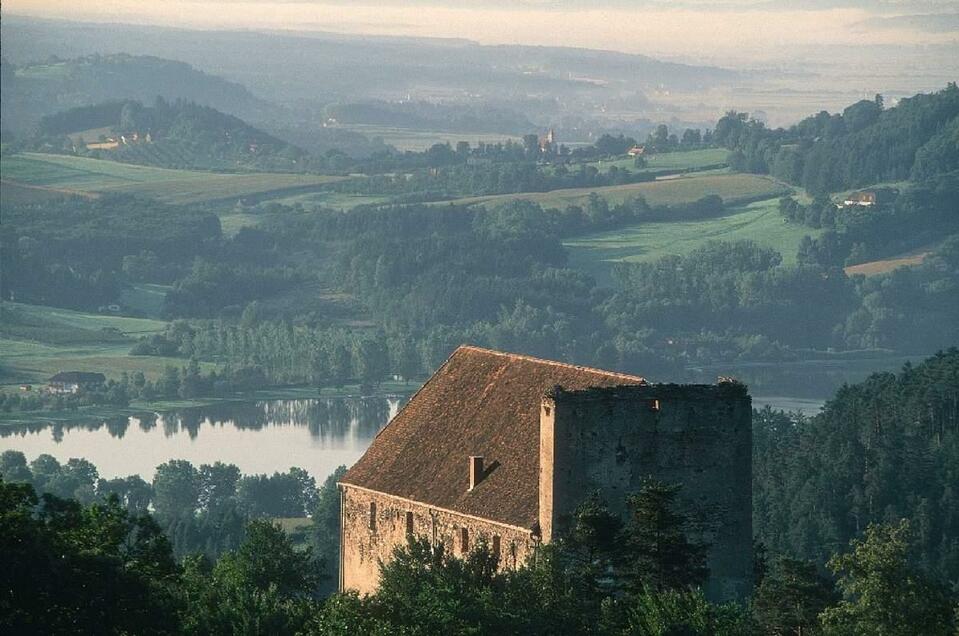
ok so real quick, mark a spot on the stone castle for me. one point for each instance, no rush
(502, 448)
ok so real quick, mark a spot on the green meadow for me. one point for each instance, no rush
(671, 191)
(759, 222)
(67, 174)
(39, 341)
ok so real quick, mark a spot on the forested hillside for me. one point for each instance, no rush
(71, 251)
(884, 449)
(913, 215)
(863, 145)
(33, 90)
(176, 134)
(424, 279)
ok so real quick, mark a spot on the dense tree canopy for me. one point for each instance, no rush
(885, 449)
(863, 145)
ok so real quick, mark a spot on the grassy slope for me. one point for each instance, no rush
(688, 160)
(759, 222)
(684, 189)
(54, 316)
(82, 174)
(39, 341)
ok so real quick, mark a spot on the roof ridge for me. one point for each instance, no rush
(419, 390)
(555, 363)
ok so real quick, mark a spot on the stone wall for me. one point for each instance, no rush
(609, 440)
(364, 544)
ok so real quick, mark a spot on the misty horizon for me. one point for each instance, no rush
(737, 32)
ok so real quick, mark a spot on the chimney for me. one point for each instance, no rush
(476, 470)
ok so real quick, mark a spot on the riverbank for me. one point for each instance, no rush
(14, 419)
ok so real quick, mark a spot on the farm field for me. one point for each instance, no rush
(683, 189)
(39, 341)
(65, 174)
(759, 222)
(419, 140)
(688, 160)
(15, 193)
(886, 265)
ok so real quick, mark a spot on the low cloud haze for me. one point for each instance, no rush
(693, 30)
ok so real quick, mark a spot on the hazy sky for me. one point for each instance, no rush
(692, 28)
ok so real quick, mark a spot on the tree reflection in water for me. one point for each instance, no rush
(328, 419)
(117, 426)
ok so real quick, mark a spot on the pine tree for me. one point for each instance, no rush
(791, 597)
(659, 553)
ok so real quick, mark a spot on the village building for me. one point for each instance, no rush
(865, 198)
(73, 381)
(110, 143)
(547, 142)
(636, 151)
(501, 448)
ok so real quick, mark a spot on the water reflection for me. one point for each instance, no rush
(261, 436)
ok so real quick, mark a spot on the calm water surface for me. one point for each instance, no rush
(259, 437)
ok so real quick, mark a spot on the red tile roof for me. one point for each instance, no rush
(480, 402)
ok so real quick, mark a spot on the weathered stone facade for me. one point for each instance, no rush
(365, 542)
(502, 448)
(611, 439)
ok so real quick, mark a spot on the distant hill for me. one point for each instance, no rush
(427, 116)
(33, 90)
(303, 63)
(867, 143)
(177, 134)
(294, 69)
